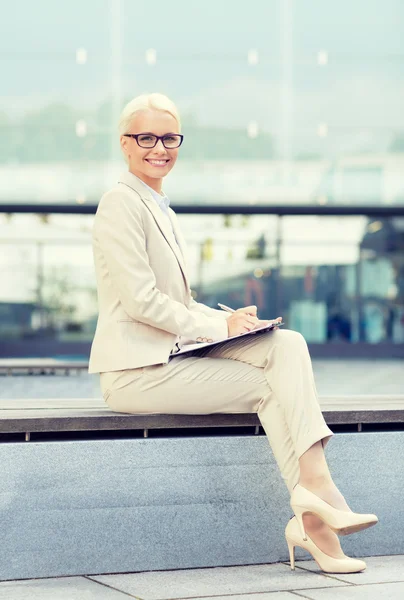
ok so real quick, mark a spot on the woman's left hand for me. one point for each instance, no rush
(263, 322)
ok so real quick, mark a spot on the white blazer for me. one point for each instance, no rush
(144, 297)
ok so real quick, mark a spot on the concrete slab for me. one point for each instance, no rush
(358, 376)
(63, 588)
(196, 583)
(380, 569)
(125, 506)
(332, 377)
(382, 591)
(50, 386)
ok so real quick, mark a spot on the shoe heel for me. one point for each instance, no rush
(291, 548)
(299, 518)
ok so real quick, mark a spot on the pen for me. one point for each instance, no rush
(226, 308)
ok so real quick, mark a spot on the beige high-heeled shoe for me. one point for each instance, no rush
(327, 563)
(342, 522)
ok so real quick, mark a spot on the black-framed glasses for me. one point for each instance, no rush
(148, 140)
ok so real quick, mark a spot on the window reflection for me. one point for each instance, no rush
(295, 108)
(334, 279)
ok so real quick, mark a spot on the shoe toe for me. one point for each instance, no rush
(360, 564)
(371, 517)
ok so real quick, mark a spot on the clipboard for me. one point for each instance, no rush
(198, 346)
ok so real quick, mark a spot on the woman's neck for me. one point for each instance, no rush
(155, 184)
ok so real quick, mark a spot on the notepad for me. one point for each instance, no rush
(192, 347)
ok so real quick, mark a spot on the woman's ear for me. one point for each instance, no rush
(124, 145)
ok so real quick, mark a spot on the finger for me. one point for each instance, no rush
(262, 323)
(251, 323)
(250, 310)
(248, 318)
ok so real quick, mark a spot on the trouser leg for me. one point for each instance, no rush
(186, 385)
(270, 374)
(290, 412)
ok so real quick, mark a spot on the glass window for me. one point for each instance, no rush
(281, 102)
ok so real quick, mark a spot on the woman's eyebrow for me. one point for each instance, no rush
(151, 133)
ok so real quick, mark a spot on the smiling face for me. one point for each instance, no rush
(141, 160)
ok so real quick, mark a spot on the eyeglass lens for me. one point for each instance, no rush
(148, 141)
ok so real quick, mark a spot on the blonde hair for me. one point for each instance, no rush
(152, 101)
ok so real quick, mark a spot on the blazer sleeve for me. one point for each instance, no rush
(207, 310)
(119, 230)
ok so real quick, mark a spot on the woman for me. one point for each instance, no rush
(146, 312)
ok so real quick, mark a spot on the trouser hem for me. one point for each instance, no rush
(324, 434)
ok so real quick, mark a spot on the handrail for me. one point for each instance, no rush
(205, 209)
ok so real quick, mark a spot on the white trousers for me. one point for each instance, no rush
(269, 373)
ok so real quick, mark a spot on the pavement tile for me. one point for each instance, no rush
(381, 591)
(269, 596)
(57, 588)
(215, 581)
(380, 569)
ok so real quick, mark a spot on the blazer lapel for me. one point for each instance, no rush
(178, 235)
(160, 218)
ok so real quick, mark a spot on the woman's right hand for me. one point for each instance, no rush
(240, 322)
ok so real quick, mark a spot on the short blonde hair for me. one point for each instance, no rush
(152, 101)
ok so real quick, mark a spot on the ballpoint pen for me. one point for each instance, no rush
(226, 308)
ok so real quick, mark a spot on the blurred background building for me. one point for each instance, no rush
(289, 184)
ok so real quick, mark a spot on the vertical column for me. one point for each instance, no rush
(286, 132)
(279, 308)
(116, 39)
(287, 92)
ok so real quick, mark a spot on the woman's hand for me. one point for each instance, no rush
(242, 320)
(261, 322)
(245, 319)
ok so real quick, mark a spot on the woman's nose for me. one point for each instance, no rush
(160, 146)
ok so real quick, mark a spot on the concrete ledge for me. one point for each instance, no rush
(113, 506)
(25, 416)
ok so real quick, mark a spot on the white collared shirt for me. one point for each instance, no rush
(162, 201)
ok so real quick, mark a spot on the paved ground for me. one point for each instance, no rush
(332, 377)
(382, 580)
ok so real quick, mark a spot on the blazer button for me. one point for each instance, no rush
(210, 340)
(198, 339)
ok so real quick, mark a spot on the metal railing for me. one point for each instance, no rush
(358, 349)
(199, 208)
